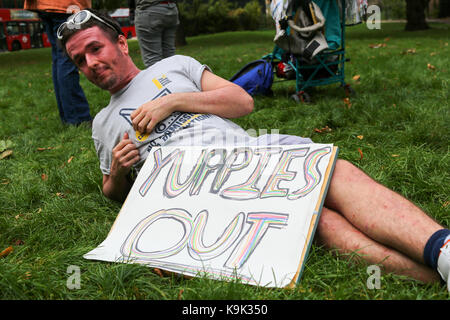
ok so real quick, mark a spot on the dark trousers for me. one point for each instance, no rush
(156, 29)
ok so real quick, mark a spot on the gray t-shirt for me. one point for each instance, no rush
(174, 74)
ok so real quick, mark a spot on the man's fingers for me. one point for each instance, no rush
(137, 119)
(142, 126)
(124, 147)
(151, 125)
(130, 158)
(135, 112)
(126, 157)
(123, 143)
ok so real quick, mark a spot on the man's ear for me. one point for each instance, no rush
(123, 44)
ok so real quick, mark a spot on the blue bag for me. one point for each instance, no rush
(256, 77)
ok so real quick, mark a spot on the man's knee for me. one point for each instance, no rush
(326, 221)
(346, 172)
(328, 228)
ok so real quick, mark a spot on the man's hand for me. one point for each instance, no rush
(124, 155)
(145, 118)
(218, 96)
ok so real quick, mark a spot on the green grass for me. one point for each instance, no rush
(401, 109)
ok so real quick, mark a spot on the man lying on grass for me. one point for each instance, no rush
(145, 111)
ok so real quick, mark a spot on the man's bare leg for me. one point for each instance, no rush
(335, 232)
(381, 214)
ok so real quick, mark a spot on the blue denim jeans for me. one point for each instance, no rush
(72, 104)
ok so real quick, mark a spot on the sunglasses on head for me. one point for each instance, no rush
(76, 20)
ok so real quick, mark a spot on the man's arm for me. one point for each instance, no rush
(116, 185)
(218, 96)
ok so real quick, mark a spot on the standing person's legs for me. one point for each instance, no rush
(72, 103)
(48, 23)
(377, 216)
(169, 35)
(71, 95)
(149, 30)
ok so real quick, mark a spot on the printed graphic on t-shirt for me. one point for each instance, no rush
(159, 83)
(141, 137)
(167, 127)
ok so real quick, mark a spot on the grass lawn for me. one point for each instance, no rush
(52, 210)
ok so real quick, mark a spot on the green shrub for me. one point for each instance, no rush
(393, 9)
(218, 16)
(253, 12)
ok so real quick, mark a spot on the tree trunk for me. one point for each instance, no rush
(180, 39)
(415, 15)
(444, 8)
(267, 8)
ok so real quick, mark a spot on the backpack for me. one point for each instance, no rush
(255, 77)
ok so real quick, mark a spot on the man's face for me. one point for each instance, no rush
(101, 60)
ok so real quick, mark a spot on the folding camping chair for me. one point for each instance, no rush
(310, 43)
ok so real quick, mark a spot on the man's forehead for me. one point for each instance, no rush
(85, 37)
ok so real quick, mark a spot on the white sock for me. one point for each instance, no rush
(446, 240)
(444, 261)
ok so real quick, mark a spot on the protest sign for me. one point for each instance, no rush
(237, 212)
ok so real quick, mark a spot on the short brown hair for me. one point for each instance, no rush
(113, 34)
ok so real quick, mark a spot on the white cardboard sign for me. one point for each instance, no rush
(223, 212)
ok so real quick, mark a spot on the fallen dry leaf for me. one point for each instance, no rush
(43, 149)
(5, 154)
(347, 102)
(180, 294)
(433, 54)
(356, 77)
(60, 194)
(5, 181)
(360, 153)
(5, 252)
(44, 177)
(446, 203)
(19, 242)
(5, 145)
(395, 155)
(323, 130)
(377, 45)
(410, 51)
(360, 137)
(137, 293)
(431, 67)
(158, 272)
(70, 159)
